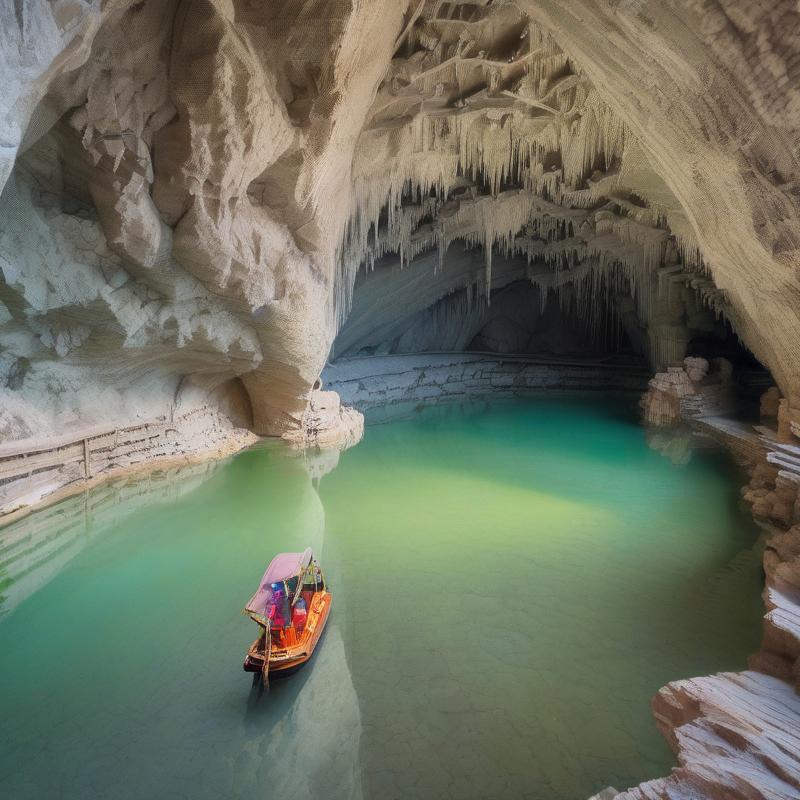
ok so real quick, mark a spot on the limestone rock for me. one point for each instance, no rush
(688, 392)
(328, 423)
(696, 368)
(737, 736)
(769, 403)
(233, 166)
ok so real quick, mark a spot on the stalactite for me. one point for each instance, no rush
(526, 163)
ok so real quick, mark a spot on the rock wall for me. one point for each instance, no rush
(388, 386)
(192, 186)
(171, 208)
(37, 471)
(695, 389)
(710, 91)
(737, 735)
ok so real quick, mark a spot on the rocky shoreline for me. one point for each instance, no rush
(38, 472)
(390, 386)
(735, 735)
(35, 473)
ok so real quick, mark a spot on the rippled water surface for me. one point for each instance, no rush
(511, 586)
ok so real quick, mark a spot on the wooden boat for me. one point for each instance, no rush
(291, 606)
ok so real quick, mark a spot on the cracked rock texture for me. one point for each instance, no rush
(197, 192)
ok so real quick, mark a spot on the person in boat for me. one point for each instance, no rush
(299, 615)
(291, 607)
(279, 607)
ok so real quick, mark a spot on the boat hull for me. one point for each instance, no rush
(284, 661)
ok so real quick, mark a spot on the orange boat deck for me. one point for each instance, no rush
(288, 650)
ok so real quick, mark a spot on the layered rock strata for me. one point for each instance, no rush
(192, 186)
(33, 472)
(737, 735)
(386, 386)
(696, 389)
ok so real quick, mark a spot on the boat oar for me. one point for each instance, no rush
(267, 653)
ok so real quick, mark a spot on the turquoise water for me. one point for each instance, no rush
(511, 586)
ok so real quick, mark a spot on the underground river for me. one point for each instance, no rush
(511, 585)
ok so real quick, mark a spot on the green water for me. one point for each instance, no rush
(511, 586)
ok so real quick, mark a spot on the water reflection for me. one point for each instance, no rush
(36, 548)
(135, 589)
(676, 445)
(510, 586)
(311, 725)
(680, 444)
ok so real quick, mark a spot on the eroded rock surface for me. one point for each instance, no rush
(193, 186)
(736, 735)
(695, 389)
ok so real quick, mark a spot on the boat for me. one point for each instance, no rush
(291, 606)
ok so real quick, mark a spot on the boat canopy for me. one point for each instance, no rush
(283, 567)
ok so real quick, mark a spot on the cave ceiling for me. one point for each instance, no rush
(199, 197)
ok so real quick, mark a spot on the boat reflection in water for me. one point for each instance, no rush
(170, 546)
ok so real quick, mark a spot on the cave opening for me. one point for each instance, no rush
(520, 321)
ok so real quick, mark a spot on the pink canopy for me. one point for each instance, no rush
(282, 568)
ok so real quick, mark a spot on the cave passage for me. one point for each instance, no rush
(511, 584)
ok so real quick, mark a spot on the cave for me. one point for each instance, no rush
(521, 318)
(493, 304)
